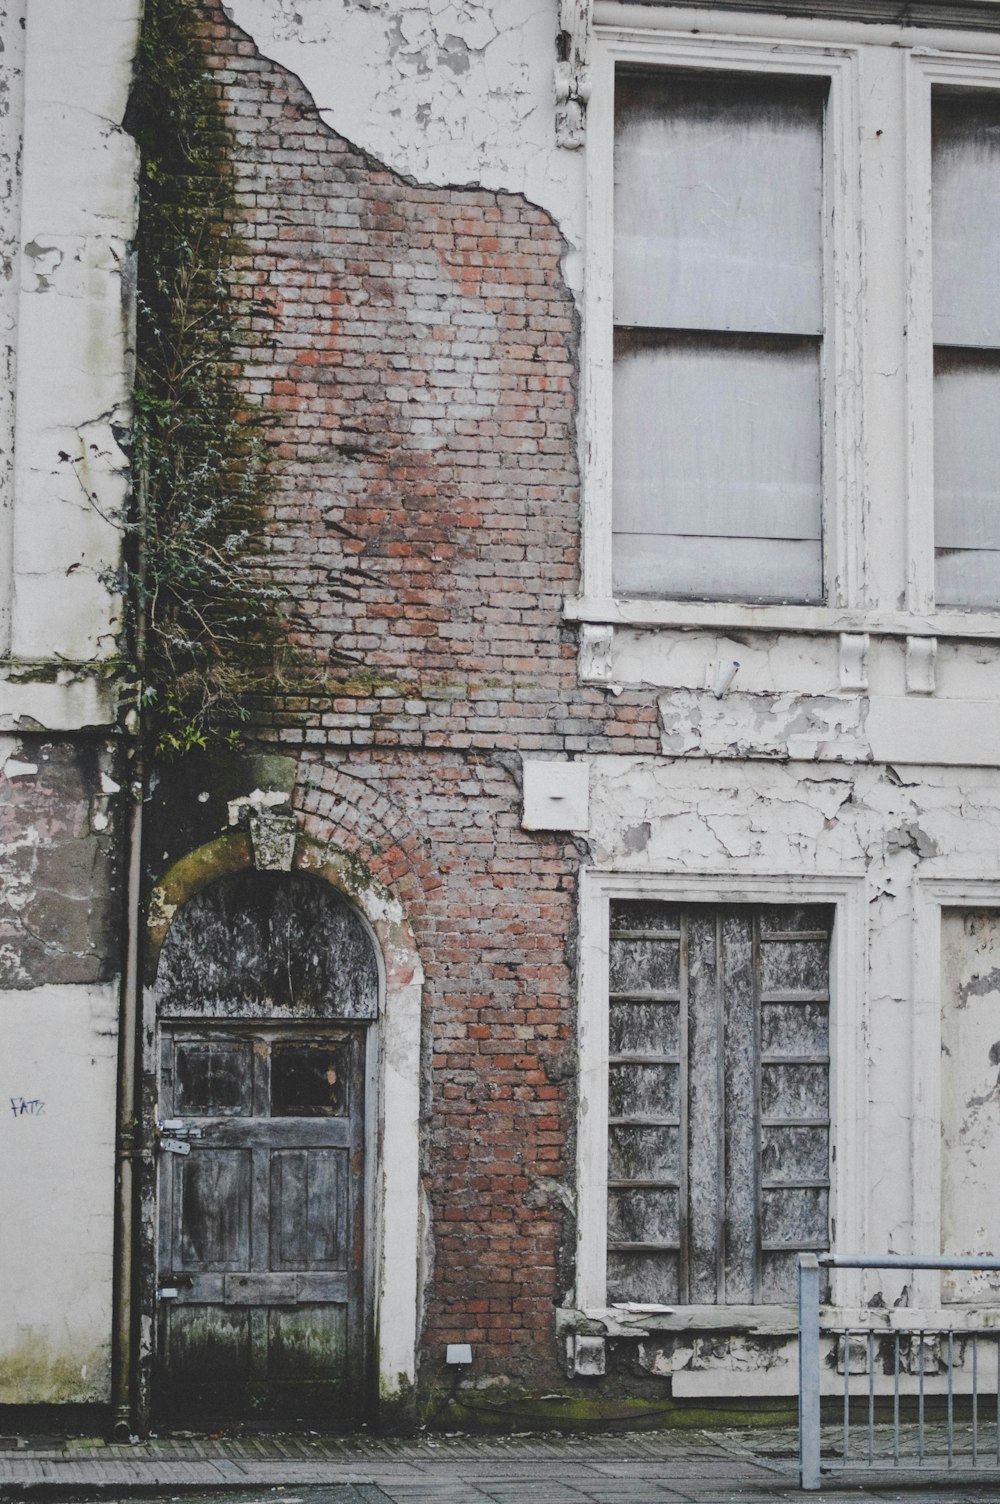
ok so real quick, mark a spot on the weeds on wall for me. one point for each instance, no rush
(202, 608)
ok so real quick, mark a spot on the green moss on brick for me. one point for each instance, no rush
(203, 609)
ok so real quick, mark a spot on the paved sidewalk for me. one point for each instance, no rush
(638, 1468)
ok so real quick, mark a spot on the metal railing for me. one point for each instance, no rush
(909, 1396)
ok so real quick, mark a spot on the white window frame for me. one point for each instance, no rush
(841, 268)
(923, 74)
(878, 513)
(848, 1054)
(930, 898)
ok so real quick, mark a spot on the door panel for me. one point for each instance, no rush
(213, 1077)
(309, 1209)
(311, 1079)
(212, 1202)
(307, 1342)
(261, 1315)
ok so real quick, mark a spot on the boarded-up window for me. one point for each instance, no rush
(966, 256)
(718, 1100)
(970, 1095)
(719, 319)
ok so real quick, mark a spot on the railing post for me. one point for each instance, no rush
(809, 1441)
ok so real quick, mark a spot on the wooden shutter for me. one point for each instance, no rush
(718, 1100)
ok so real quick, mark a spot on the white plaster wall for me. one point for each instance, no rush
(12, 36)
(72, 325)
(58, 1048)
(67, 700)
(444, 91)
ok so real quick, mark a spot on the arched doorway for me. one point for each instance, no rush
(266, 998)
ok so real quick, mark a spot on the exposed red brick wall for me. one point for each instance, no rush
(416, 349)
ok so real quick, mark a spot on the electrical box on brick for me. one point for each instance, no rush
(556, 795)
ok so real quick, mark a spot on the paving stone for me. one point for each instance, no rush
(647, 1468)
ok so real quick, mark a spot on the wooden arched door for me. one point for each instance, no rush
(267, 993)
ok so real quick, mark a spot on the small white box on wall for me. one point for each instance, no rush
(556, 795)
(586, 1357)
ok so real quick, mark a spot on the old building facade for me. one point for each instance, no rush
(600, 902)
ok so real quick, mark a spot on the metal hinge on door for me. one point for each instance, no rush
(172, 1136)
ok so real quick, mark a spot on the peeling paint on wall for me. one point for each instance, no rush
(800, 727)
(57, 864)
(442, 91)
(970, 1093)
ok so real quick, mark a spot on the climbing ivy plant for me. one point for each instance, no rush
(201, 607)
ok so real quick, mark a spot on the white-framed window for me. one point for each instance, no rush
(956, 1025)
(718, 1099)
(789, 328)
(955, 312)
(721, 1060)
(719, 305)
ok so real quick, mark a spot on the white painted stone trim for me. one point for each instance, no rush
(921, 665)
(854, 660)
(848, 1047)
(819, 620)
(777, 23)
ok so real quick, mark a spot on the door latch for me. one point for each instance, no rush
(173, 1146)
(172, 1136)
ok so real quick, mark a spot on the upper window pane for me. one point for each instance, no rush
(721, 437)
(718, 203)
(966, 258)
(966, 209)
(310, 1079)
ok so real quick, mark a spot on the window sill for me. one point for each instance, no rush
(772, 1321)
(731, 616)
(783, 1321)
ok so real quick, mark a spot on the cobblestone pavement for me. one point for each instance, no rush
(648, 1468)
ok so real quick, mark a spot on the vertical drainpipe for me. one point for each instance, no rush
(130, 1127)
(128, 1144)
